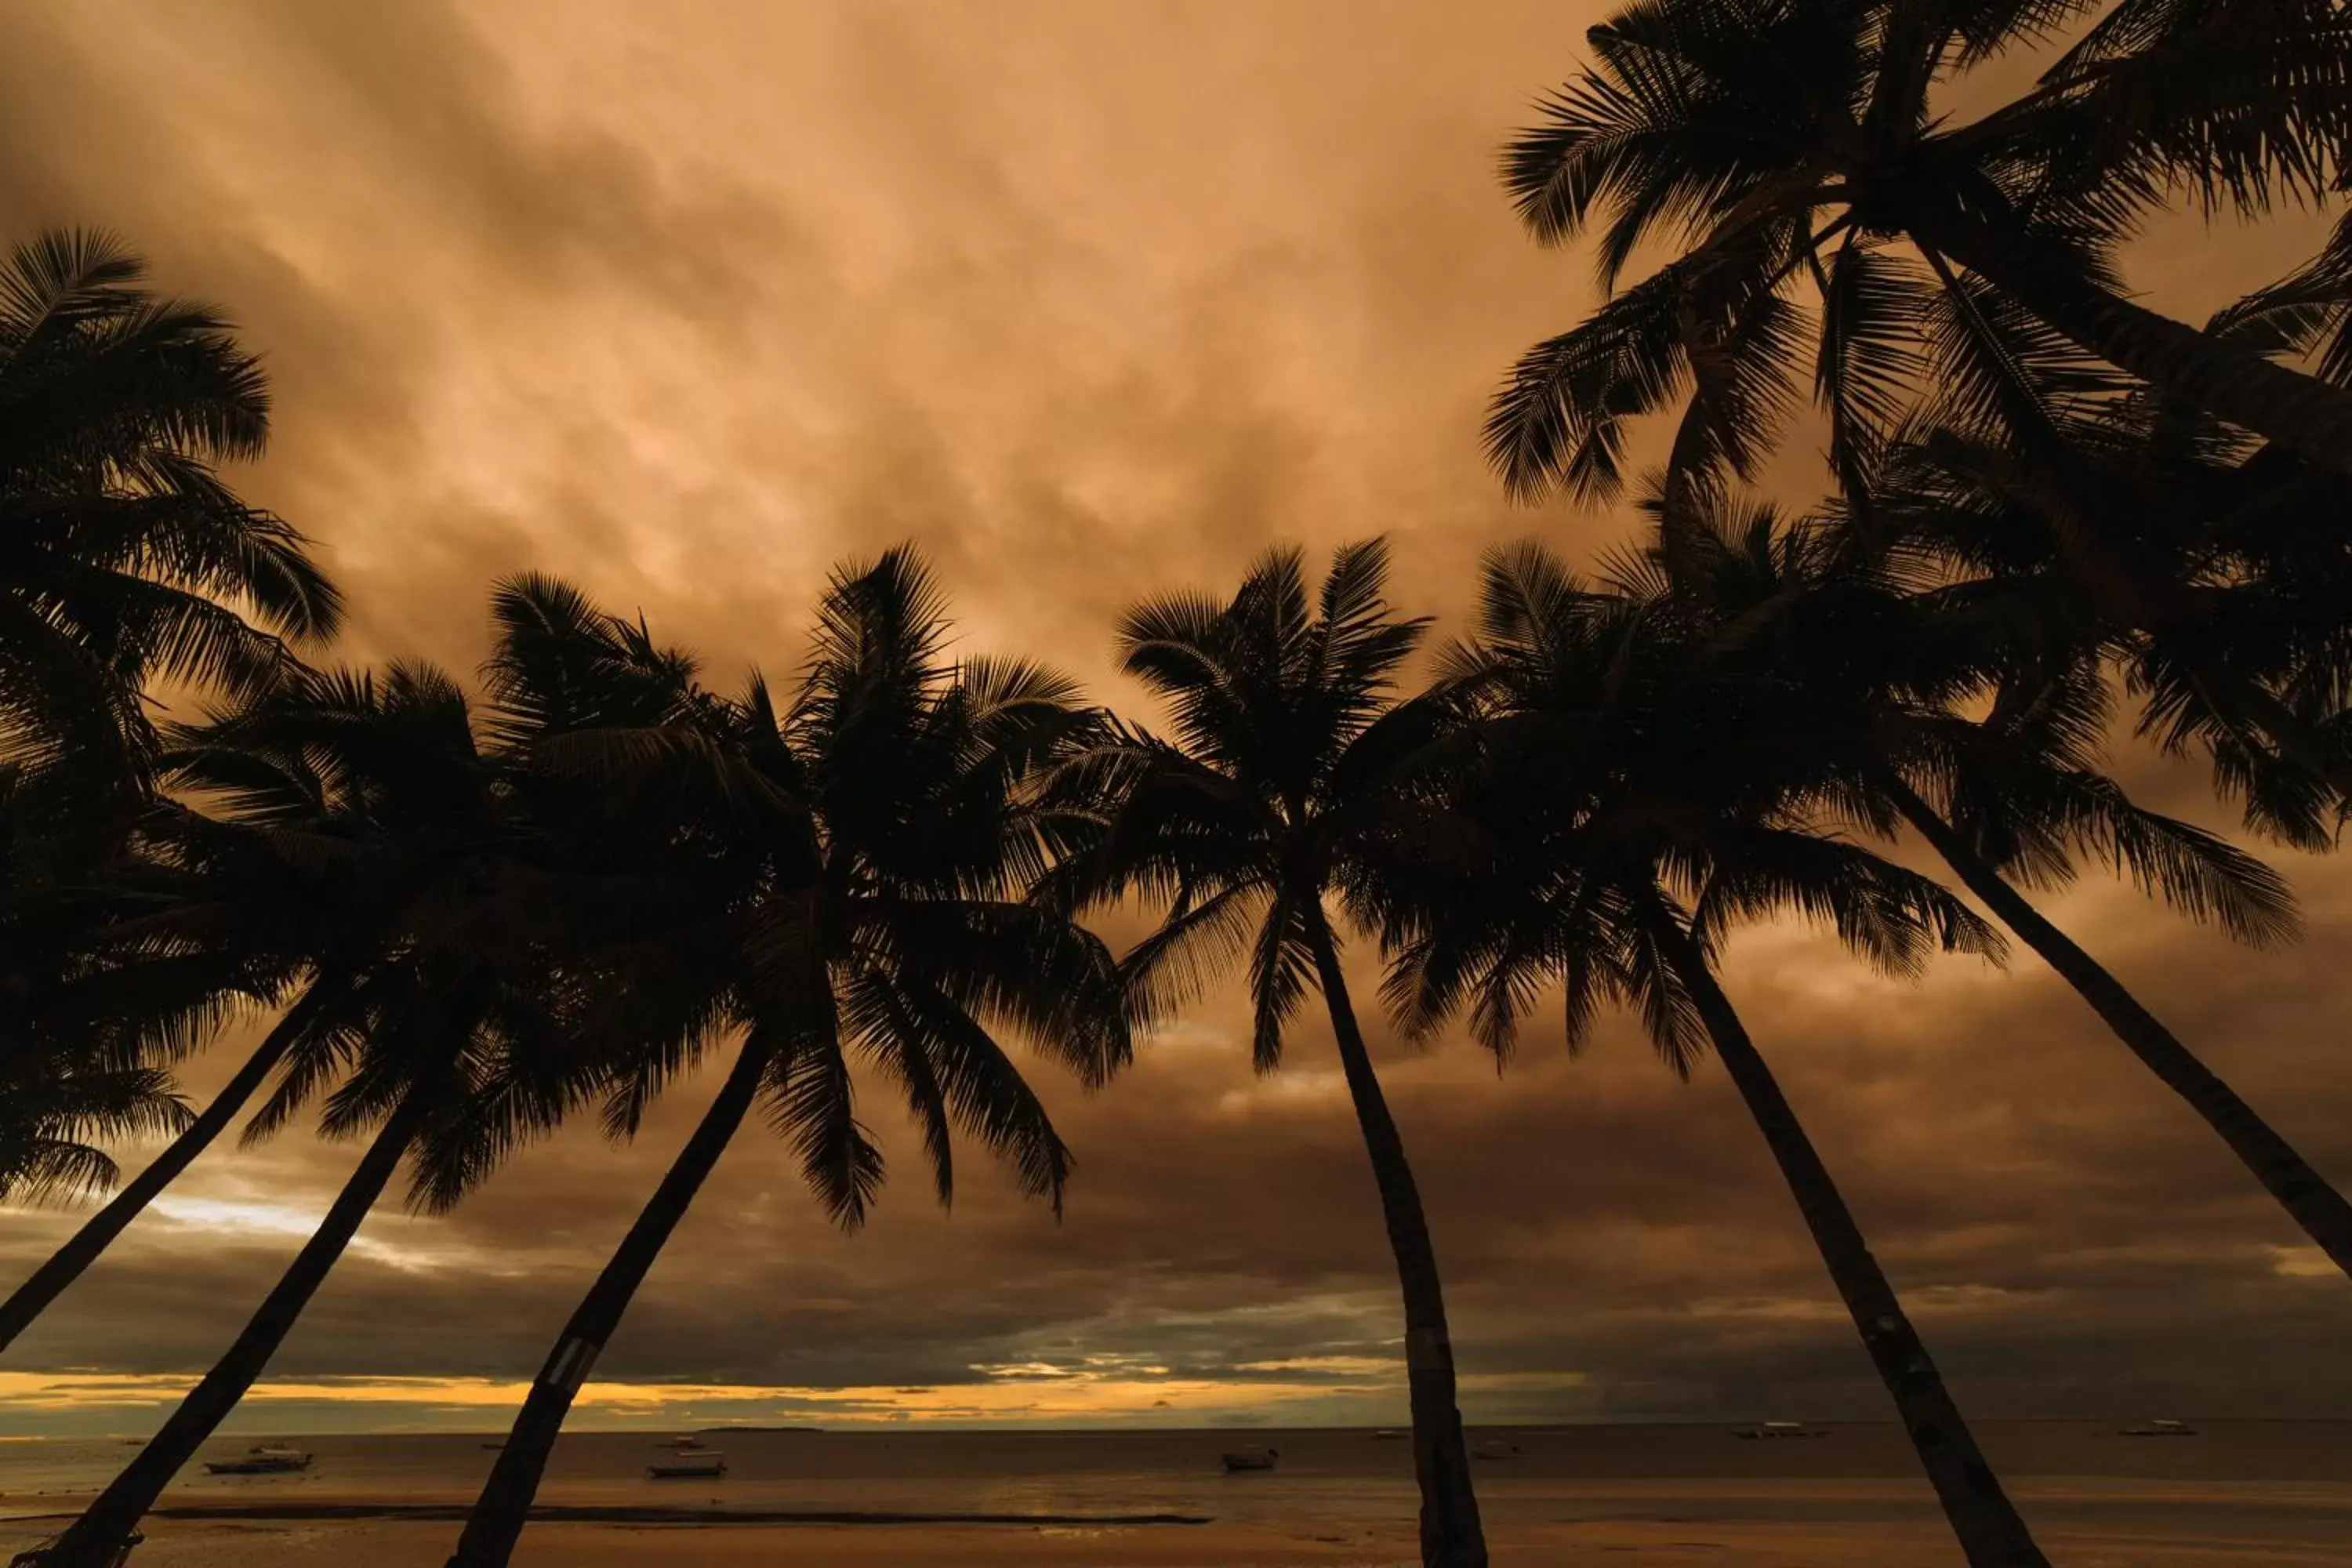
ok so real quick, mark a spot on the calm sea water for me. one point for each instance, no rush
(2239, 1479)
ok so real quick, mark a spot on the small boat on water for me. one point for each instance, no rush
(1778, 1429)
(1257, 1457)
(2160, 1429)
(1497, 1448)
(494, 1447)
(262, 1459)
(687, 1460)
(1392, 1432)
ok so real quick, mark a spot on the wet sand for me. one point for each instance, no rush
(1670, 1524)
(1660, 1542)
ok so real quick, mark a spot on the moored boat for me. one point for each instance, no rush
(262, 1459)
(687, 1459)
(1497, 1448)
(1778, 1429)
(2160, 1429)
(1257, 1457)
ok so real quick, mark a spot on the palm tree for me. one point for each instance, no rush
(2209, 575)
(137, 1022)
(124, 559)
(1791, 145)
(57, 1108)
(1639, 805)
(367, 790)
(81, 1031)
(1278, 789)
(849, 880)
(315, 879)
(2315, 1203)
(1870, 683)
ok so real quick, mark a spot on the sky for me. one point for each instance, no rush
(687, 302)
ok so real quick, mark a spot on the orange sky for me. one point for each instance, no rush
(685, 302)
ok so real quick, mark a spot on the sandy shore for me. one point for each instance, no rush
(1666, 1542)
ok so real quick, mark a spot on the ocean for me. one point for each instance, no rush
(2238, 1482)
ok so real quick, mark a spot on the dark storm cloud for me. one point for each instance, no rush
(1090, 301)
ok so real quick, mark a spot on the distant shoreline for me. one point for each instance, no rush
(745, 1426)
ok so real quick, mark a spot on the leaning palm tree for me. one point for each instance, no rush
(314, 877)
(88, 1022)
(1802, 147)
(2211, 584)
(1953, 712)
(1279, 787)
(162, 984)
(2208, 573)
(840, 879)
(124, 558)
(1637, 810)
(58, 1108)
(372, 789)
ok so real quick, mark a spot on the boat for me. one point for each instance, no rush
(2159, 1429)
(1497, 1448)
(1257, 1457)
(261, 1460)
(1392, 1432)
(1778, 1429)
(688, 1460)
(494, 1447)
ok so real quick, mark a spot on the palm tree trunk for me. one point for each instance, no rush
(2299, 412)
(108, 1520)
(504, 1506)
(1991, 1531)
(1450, 1536)
(2303, 1192)
(82, 1249)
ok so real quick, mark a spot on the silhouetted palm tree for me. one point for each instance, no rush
(143, 990)
(1953, 710)
(2211, 575)
(124, 559)
(1804, 145)
(333, 852)
(1278, 790)
(1639, 807)
(848, 879)
(439, 1042)
(83, 1026)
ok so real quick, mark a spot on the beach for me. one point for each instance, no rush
(2238, 1493)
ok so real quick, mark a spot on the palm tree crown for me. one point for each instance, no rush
(1795, 147)
(124, 559)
